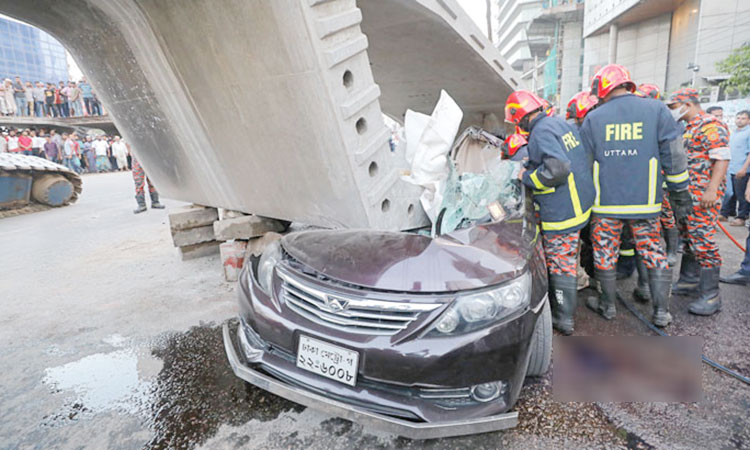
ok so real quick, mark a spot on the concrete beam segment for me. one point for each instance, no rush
(199, 250)
(245, 227)
(189, 217)
(181, 238)
(270, 107)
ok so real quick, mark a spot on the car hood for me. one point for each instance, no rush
(471, 258)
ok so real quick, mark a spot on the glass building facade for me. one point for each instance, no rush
(30, 53)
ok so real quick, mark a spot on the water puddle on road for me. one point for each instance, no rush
(179, 386)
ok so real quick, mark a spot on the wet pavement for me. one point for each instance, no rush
(108, 340)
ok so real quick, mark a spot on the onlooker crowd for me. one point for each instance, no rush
(89, 154)
(18, 98)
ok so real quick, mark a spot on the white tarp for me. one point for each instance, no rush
(428, 140)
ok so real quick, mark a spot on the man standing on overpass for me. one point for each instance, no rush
(636, 139)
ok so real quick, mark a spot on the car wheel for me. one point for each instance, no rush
(541, 344)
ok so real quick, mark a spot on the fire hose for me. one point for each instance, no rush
(731, 238)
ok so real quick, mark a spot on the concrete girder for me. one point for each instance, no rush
(271, 107)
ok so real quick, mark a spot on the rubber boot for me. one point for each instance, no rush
(672, 238)
(563, 295)
(687, 284)
(605, 303)
(155, 201)
(710, 300)
(642, 293)
(141, 199)
(625, 266)
(659, 281)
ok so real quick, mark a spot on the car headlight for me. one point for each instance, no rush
(268, 260)
(479, 310)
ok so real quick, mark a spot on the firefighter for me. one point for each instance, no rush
(629, 138)
(707, 144)
(648, 90)
(578, 106)
(515, 146)
(629, 261)
(559, 173)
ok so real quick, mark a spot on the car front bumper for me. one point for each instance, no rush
(400, 427)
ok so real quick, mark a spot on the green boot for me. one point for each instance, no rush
(642, 292)
(604, 305)
(709, 302)
(660, 280)
(687, 284)
(563, 295)
(141, 199)
(155, 201)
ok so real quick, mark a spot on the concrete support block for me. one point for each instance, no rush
(232, 258)
(255, 246)
(245, 227)
(192, 217)
(193, 236)
(199, 250)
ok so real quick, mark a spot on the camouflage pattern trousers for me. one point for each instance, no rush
(699, 231)
(605, 238)
(667, 221)
(561, 253)
(140, 178)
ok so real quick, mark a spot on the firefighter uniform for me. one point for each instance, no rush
(141, 180)
(632, 140)
(706, 140)
(559, 175)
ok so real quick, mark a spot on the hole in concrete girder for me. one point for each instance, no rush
(373, 169)
(361, 125)
(385, 206)
(410, 210)
(348, 79)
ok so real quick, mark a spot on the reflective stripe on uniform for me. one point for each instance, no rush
(628, 209)
(627, 251)
(565, 224)
(535, 179)
(574, 195)
(544, 191)
(677, 178)
(597, 187)
(652, 163)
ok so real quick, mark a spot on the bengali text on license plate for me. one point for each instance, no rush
(332, 361)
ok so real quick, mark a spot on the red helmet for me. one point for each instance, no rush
(520, 104)
(580, 105)
(608, 78)
(513, 143)
(648, 90)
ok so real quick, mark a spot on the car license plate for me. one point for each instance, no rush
(331, 361)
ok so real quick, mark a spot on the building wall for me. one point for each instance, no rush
(600, 12)
(509, 28)
(642, 47)
(30, 53)
(682, 44)
(572, 52)
(724, 26)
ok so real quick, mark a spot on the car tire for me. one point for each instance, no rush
(541, 344)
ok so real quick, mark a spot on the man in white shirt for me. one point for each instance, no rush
(37, 144)
(13, 142)
(100, 148)
(120, 152)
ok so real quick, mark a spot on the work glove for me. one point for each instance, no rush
(682, 204)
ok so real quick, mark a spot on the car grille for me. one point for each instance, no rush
(356, 315)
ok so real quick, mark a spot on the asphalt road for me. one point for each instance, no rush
(108, 340)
